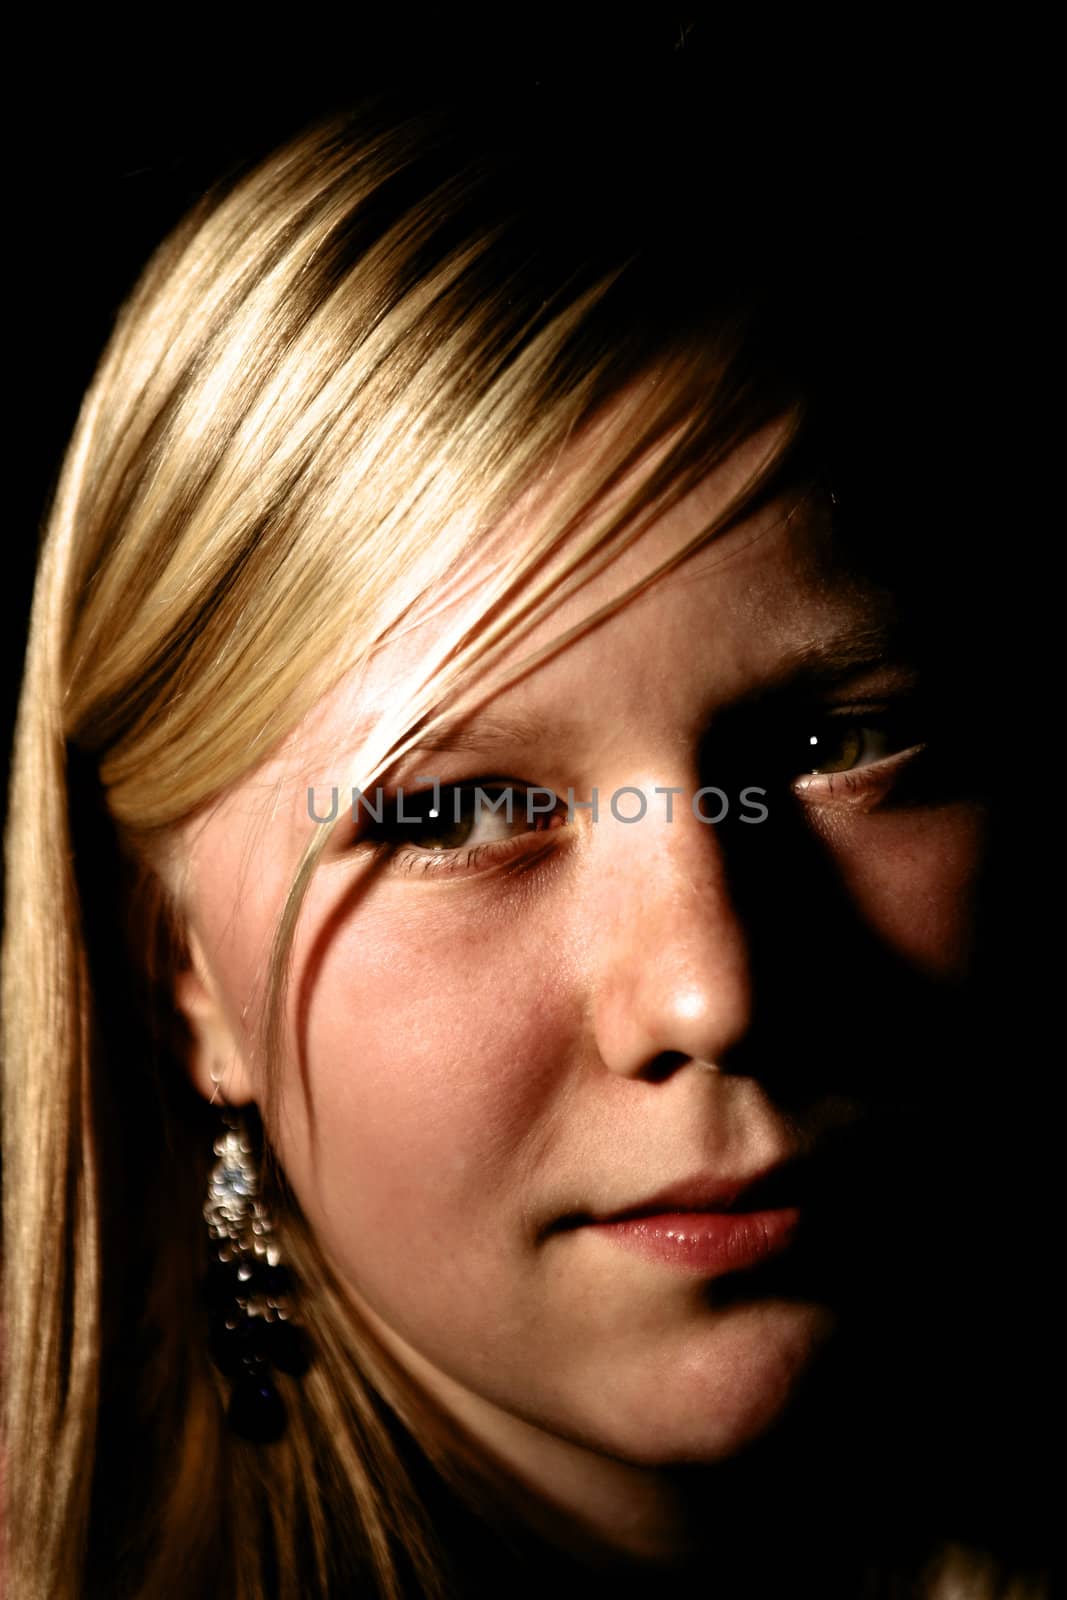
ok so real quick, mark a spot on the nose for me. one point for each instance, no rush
(671, 973)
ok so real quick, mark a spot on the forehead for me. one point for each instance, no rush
(736, 614)
(772, 581)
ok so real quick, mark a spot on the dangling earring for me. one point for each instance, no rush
(248, 1290)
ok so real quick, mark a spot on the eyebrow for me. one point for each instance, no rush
(852, 650)
(842, 655)
(476, 730)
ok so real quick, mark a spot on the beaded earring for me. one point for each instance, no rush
(248, 1290)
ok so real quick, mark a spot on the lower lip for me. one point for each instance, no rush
(711, 1242)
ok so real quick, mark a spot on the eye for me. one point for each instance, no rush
(843, 744)
(465, 817)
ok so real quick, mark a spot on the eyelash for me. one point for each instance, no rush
(462, 859)
(456, 861)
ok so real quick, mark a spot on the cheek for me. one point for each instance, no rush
(430, 1041)
(912, 877)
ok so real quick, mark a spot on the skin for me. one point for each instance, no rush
(475, 1055)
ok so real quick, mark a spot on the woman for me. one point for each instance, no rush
(486, 831)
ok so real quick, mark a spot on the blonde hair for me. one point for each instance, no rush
(331, 381)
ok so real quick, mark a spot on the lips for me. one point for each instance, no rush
(821, 1209)
(712, 1226)
(712, 1243)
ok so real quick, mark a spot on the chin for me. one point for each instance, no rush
(718, 1392)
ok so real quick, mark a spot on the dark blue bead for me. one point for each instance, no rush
(233, 1348)
(256, 1411)
(287, 1348)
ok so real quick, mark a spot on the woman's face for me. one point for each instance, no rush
(502, 1037)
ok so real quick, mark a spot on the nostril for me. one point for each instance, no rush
(664, 1065)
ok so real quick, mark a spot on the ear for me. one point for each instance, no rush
(215, 1063)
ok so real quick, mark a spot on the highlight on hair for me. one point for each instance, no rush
(331, 382)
